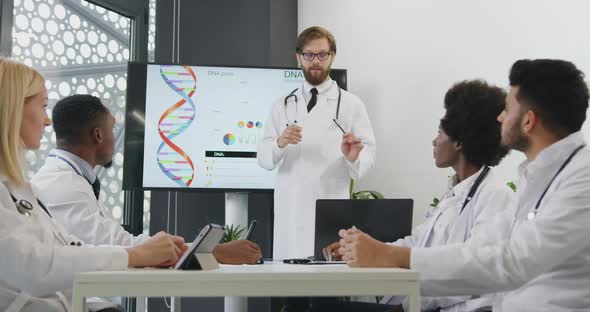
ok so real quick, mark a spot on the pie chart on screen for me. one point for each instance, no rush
(229, 139)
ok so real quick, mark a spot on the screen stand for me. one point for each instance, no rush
(236, 213)
(207, 261)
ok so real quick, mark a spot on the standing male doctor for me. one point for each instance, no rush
(318, 136)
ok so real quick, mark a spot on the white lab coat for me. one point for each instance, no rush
(315, 168)
(446, 225)
(38, 264)
(545, 264)
(71, 201)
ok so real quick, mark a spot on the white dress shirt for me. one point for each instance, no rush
(63, 186)
(545, 263)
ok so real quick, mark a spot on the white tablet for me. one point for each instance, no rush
(207, 239)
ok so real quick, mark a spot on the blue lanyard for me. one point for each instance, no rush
(70, 164)
(76, 170)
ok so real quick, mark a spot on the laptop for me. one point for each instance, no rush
(384, 219)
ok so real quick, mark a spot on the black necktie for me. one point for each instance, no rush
(313, 100)
(96, 187)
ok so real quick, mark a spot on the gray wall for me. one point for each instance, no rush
(229, 32)
(221, 32)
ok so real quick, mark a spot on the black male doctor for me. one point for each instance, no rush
(318, 137)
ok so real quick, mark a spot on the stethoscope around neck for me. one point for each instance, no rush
(25, 208)
(533, 213)
(470, 194)
(294, 96)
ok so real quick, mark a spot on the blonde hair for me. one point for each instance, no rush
(18, 83)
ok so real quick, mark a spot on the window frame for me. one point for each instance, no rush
(138, 13)
(7, 21)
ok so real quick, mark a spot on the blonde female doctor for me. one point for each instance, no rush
(39, 259)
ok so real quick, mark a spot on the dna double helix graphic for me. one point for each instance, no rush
(172, 160)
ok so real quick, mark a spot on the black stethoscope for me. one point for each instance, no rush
(471, 192)
(531, 215)
(474, 187)
(293, 95)
(25, 208)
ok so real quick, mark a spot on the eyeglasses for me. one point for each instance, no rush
(322, 56)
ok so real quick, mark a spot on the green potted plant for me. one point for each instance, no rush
(512, 186)
(232, 233)
(363, 194)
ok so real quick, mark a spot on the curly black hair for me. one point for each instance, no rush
(472, 108)
(553, 89)
(75, 116)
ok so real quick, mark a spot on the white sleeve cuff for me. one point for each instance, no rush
(419, 259)
(278, 152)
(118, 258)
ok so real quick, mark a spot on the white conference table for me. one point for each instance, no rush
(267, 280)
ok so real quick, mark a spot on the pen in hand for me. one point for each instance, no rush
(334, 119)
